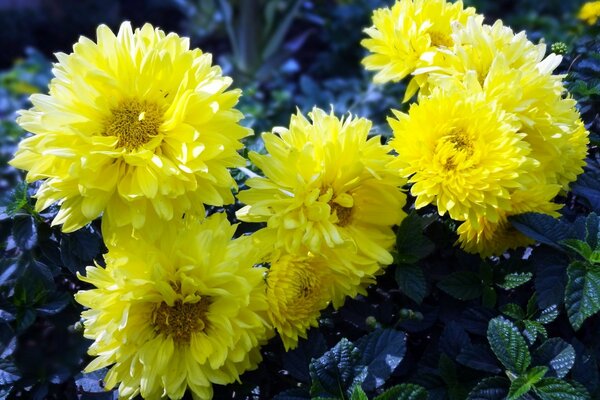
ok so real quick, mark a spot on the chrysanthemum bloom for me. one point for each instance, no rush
(501, 61)
(494, 238)
(188, 310)
(298, 288)
(590, 12)
(326, 187)
(463, 153)
(136, 125)
(403, 34)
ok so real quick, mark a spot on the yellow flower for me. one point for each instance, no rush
(327, 187)
(137, 126)
(298, 288)
(495, 60)
(188, 310)
(494, 238)
(462, 152)
(590, 12)
(411, 30)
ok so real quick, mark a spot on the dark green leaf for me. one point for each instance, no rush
(337, 371)
(548, 315)
(524, 383)
(463, 285)
(585, 370)
(557, 389)
(480, 358)
(381, 351)
(8, 372)
(542, 228)
(582, 295)
(404, 391)
(534, 330)
(557, 355)
(56, 304)
(494, 388)
(550, 277)
(411, 244)
(411, 281)
(449, 373)
(514, 280)
(513, 311)
(587, 184)
(24, 231)
(509, 345)
(296, 361)
(592, 228)
(453, 340)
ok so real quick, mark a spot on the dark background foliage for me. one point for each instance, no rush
(440, 324)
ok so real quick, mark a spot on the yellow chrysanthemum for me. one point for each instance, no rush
(298, 288)
(495, 60)
(494, 238)
(463, 154)
(327, 186)
(411, 29)
(136, 125)
(590, 12)
(188, 310)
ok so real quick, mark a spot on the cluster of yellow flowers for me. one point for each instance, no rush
(329, 202)
(492, 134)
(140, 129)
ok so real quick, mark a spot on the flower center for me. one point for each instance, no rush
(134, 123)
(182, 319)
(439, 39)
(304, 285)
(457, 147)
(343, 213)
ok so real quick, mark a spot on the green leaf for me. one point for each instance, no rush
(578, 246)
(516, 279)
(358, 394)
(24, 231)
(411, 281)
(337, 371)
(524, 383)
(557, 355)
(548, 315)
(558, 389)
(582, 294)
(463, 285)
(8, 372)
(480, 358)
(550, 277)
(381, 352)
(513, 311)
(404, 391)
(17, 200)
(449, 373)
(411, 244)
(534, 330)
(494, 388)
(592, 230)
(509, 345)
(542, 228)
